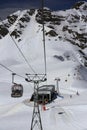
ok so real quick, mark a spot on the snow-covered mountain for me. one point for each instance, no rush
(66, 56)
(66, 40)
(68, 25)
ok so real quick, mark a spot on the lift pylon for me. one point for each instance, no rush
(36, 123)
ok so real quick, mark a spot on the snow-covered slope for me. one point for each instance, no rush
(66, 41)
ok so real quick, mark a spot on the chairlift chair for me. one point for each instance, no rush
(16, 89)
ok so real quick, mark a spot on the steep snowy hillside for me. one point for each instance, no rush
(65, 33)
(66, 56)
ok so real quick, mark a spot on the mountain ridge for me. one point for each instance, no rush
(65, 35)
(65, 22)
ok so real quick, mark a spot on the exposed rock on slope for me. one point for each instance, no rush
(69, 25)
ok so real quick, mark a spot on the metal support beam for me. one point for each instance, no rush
(57, 83)
(36, 123)
(13, 74)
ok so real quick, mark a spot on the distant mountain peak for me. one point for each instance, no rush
(69, 25)
(81, 4)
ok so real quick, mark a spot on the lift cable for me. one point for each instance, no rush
(19, 49)
(11, 70)
(44, 46)
(23, 55)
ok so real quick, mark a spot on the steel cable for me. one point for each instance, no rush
(11, 70)
(19, 48)
(44, 45)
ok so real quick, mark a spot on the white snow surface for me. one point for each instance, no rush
(16, 113)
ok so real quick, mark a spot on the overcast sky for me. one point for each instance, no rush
(9, 6)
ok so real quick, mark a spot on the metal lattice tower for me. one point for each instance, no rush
(36, 123)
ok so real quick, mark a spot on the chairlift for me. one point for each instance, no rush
(16, 89)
